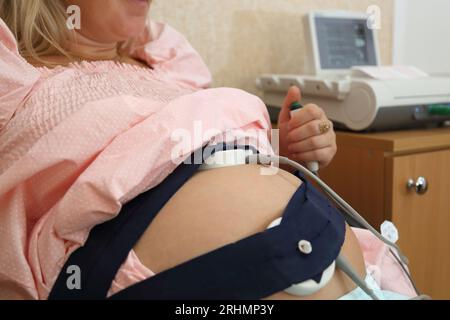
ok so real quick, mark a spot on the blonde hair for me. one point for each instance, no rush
(38, 25)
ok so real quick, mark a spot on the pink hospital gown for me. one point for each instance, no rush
(78, 142)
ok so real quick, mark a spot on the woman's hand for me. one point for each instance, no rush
(307, 135)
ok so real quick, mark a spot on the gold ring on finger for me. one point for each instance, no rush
(324, 127)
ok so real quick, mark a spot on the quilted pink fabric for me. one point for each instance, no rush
(78, 142)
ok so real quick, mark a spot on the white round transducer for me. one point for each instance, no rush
(307, 287)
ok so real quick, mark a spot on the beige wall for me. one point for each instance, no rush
(241, 39)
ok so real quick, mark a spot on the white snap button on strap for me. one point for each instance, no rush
(305, 246)
(307, 287)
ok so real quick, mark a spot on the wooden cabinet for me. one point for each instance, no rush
(371, 171)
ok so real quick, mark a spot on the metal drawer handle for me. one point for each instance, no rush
(420, 186)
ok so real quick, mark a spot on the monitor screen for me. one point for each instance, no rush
(344, 43)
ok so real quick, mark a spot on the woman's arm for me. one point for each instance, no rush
(11, 291)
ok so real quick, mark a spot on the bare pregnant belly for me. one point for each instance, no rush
(218, 207)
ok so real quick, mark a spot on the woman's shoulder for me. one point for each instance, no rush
(7, 39)
(17, 76)
(10, 57)
(168, 50)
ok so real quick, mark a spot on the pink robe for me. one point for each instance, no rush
(78, 142)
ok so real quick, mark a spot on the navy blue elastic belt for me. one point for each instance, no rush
(252, 268)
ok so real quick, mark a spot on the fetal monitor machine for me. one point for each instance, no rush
(346, 79)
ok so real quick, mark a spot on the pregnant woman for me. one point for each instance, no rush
(86, 123)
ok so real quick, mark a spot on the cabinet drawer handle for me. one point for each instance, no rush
(420, 186)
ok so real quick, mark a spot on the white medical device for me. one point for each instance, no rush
(340, 48)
